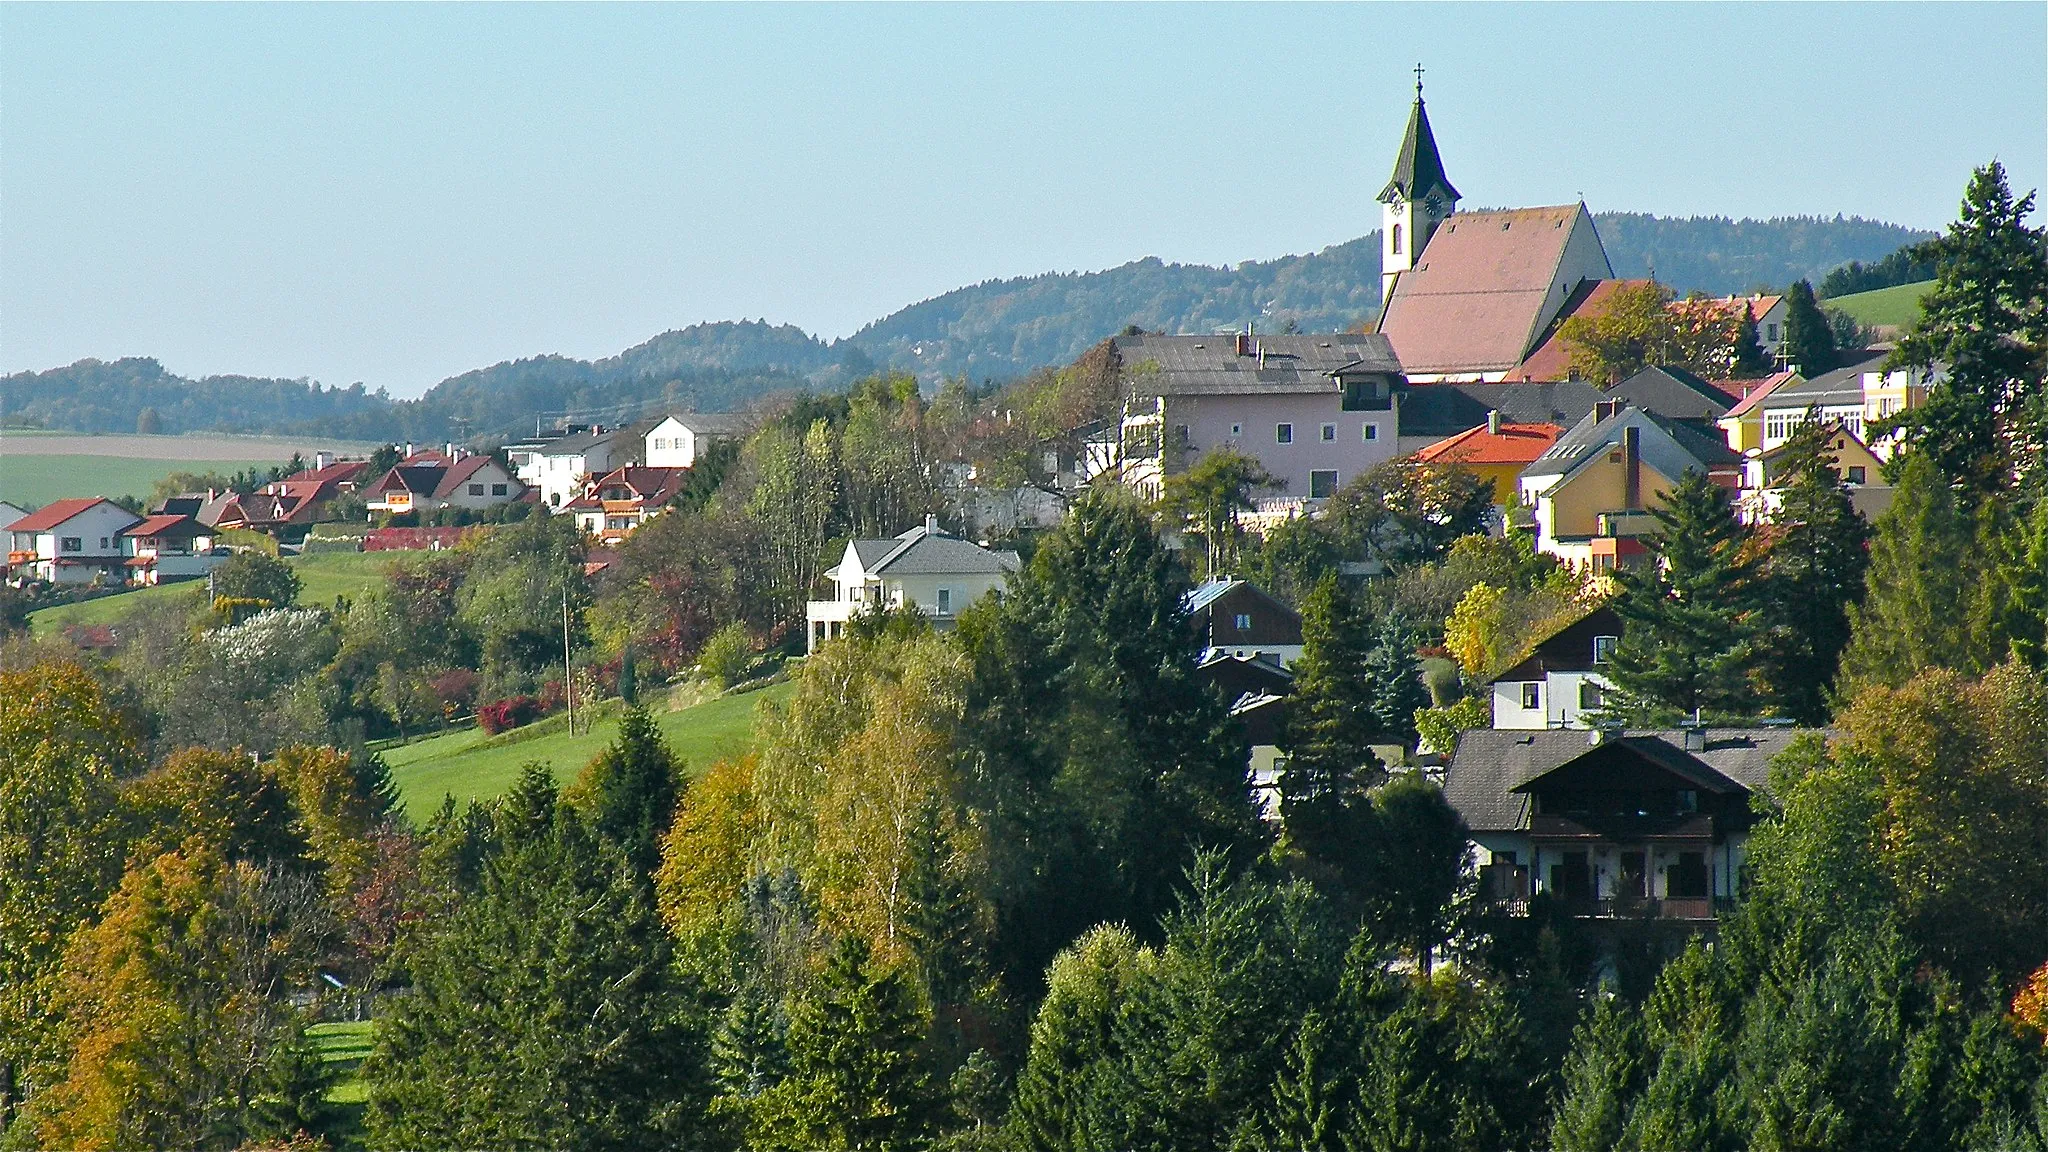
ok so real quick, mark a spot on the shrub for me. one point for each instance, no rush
(455, 689)
(511, 712)
(726, 655)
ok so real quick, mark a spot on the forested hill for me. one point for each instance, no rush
(995, 329)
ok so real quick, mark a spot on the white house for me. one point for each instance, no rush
(562, 467)
(1853, 396)
(169, 547)
(430, 481)
(1560, 683)
(938, 573)
(677, 441)
(71, 542)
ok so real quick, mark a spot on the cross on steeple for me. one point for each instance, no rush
(1418, 81)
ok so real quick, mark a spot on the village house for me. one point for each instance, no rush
(1561, 682)
(76, 541)
(1743, 425)
(1240, 618)
(1609, 823)
(620, 501)
(288, 506)
(560, 467)
(1314, 411)
(1439, 411)
(1591, 495)
(1859, 469)
(1855, 396)
(678, 440)
(163, 548)
(1495, 451)
(430, 481)
(937, 573)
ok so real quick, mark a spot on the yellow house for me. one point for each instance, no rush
(1495, 451)
(1860, 470)
(1743, 424)
(1592, 494)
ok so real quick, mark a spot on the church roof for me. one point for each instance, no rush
(1552, 358)
(1483, 287)
(1418, 168)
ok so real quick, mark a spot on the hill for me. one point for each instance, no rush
(1893, 307)
(996, 329)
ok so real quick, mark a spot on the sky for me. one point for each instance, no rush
(393, 194)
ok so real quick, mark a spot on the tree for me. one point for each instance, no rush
(544, 1009)
(63, 749)
(794, 489)
(149, 422)
(1211, 493)
(1750, 358)
(1924, 584)
(857, 1073)
(1414, 864)
(1986, 320)
(1399, 513)
(174, 1005)
(629, 791)
(1331, 723)
(256, 576)
(1687, 614)
(1602, 1076)
(1809, 338)
(1812, 574)
(1393, 677)
(1644, 325)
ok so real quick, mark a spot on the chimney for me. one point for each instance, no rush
(931, 524)
(322, 460)
(1493, 422)
(1695, 738)
(408, 449)
(1632, 465)
(1608, 409)
(1244, 343)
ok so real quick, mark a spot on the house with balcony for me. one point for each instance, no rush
(1611, 823)
(429, 481)
(935, 572)
(1854, 396)
(1561, 682)
(1591, 495)
(168, 548)
(620, 501)
(1314, 410)
(76, 541)
(560, 468)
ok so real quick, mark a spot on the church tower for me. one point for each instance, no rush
(1415, 201)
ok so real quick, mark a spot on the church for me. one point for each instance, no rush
(1467, 296)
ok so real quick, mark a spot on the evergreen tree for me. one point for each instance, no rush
(1812, 574)
(1394, 678)
(1809, 338)
(1413, 865)
(1688, 614)
(1332, 717)
(1602, 1076)
(1750, 357)
(1986, 320)
(629, 790)
(2026, 579)
(1924, 577)
(857, 1070)
(1308, 1098)
(544, 1008)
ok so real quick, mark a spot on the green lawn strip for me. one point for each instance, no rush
(322, 578)
(470, 765)
(37, 479)
(343, 1045)
(1894, 307)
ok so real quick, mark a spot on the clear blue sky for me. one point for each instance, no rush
(393, 194)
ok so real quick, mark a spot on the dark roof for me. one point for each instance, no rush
(1844, 385)
(165, 525)
(1674, 392)
(1211, 365)
(1418, 168)
(1482, 779)
(1439, 410)
(1567, 647)
(1668, 446)
(923, 553)
(576, 442)
(717, 423)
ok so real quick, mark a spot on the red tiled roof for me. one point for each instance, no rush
(1474, 300)
(1552, 358)
(1753, 392)
(339, 472)
(57, 512)
(1513, 444)
(651, 486)
(166, 526)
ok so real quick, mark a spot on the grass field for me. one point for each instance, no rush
(1893, 307)
(323, 576)
(32, 480)
(343, 1046)
(471, 765)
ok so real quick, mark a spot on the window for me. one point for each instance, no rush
(73, 544)
(1237, 429)
(1603, 648)
(945, 601)
(1857, 474)
(1589, 696)
(497, 489)
(1242, 621)
(660, 442)
(1283, 434)
(1180, 436)
(1395, 235)
(1322, 483)
(1532, 695)
(1329, 433)
(106, 542)
(476, 489)
(1771, 332)
(1371, 433)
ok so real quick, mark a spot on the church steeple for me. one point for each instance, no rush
(1416, 200)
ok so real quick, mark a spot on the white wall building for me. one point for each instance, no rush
(72, 541)
(938, 573)
(678, 440)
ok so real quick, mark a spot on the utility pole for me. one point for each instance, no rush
(568, 681)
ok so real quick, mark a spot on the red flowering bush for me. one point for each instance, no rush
(511, 712)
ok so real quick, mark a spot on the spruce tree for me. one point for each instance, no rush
(1986, 320)
(629, 790)
(1308, 1100)
(1602, 1076)
(2026, 582)
(1809, 338)
(1923, 579)
(1689, 613)
(1332, 718)
(1750, 357)
(1812, 574)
